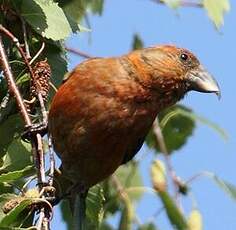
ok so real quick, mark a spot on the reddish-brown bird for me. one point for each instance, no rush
(100, 116)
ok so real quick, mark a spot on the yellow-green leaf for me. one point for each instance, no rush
(216, 10)
(158, 175)
(195, 220)
(174, 4)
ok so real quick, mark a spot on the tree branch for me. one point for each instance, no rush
(34, 134)
(12, 85)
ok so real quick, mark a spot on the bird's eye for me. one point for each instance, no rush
(184, 57)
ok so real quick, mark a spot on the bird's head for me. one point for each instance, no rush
(174, 71)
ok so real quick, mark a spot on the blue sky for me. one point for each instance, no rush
(190, 28)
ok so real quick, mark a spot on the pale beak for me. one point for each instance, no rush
(200, 80)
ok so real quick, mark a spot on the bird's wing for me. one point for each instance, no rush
(69, 74)
(133, 149)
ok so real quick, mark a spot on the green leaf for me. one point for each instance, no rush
(94, 209)
(203, 120)
(14, 210)
(75, 10)
(3, 199)
(176, 128)
(12, 216)
(111, 204)
(137, 42)
(105, 226)
(129, 177)
(148, 226)
(16, 175)
(94, 204)
(16, 228)
(8, 129)
(174, 4)
(47, 18)
(175, 216)
(96, 6)
(229, 188)
(216, 10)
(18, 156)
(56, 57)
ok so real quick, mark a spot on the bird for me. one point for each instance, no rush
(101, 114)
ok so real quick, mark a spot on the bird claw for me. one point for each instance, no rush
(48, 191)
(31, 130)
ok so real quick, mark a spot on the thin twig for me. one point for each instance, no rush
(120, 189)
(156, 214)
(125, 199)
(117, 185)
(12, 85)
(161, 143)
(40, 157)
(40, 220)
(28, 182)
(183, 3)
(27, 51)
(16, 41)
(52, 162)
(78, 52)
(45, 224)
(196, 176)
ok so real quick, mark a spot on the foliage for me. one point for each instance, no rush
(216, 10)
(51, 23)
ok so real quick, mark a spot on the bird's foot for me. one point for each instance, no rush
(33, 129)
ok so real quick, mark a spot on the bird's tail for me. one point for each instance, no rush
(66, 189)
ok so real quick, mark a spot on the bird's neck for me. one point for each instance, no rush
(160, 90)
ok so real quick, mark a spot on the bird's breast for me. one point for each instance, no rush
(94, 119)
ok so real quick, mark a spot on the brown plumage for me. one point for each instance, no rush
(100, 116)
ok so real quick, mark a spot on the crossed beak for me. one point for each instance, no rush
(200, 80)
